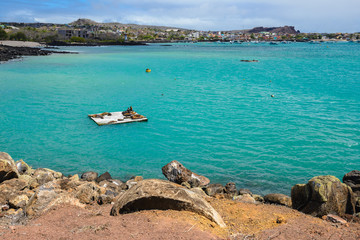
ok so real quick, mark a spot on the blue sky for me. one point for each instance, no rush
(305, 15)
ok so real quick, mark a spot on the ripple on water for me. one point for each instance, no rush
(205, 109)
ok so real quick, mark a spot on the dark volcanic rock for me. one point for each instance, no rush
(285, 29)
(352, 179)
(323, 195)
(104, 176)
(177, 173)
(213, 189)
(8, 52)
(230, 189)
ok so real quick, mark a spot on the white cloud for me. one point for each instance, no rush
(306, 15)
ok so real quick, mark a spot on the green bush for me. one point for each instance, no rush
(146, 37)
(51, 38)
(77, 39)
(3, 34)
(19, 36)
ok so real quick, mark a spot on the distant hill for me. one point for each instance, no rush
(285, 29)
(88, 22)
(83, 22)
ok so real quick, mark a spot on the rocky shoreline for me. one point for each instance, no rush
(27, 194)
(92, 44)
(8, 52)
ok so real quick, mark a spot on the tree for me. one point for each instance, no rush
(51, 38)
(19, 36)
(3, 34)
(77, 39)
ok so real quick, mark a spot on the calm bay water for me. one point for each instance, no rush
(206, 109)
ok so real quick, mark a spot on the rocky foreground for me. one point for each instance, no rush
(45, 204)
(8, 52)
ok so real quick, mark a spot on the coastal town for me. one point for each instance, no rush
(88, 31)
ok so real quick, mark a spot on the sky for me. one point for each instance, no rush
(306, 15)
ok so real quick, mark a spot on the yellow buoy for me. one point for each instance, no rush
(148, 70)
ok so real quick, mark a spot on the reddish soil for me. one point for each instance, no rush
(244, 221)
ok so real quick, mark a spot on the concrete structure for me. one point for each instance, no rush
(68, 33)
(116, 118)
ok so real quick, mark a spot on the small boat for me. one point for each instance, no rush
(148, 70)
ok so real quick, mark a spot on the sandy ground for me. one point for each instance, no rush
(20, 44)
(244, 221)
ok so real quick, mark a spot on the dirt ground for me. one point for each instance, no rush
(244, 221)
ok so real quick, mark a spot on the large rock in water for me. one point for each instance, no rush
(177, 173)
(8, 168)
(164, 195)
(323, 195)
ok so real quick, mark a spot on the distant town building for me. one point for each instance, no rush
(68, 33)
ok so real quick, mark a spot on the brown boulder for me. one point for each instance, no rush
(10, 189)
(8, 168)
(245, 191)
(230, 189)
(246, 198)
(42, 176)
(113, 185)
(18, 201)
(357, 205)
(104, 176)
(163, 195)
(352, 179)
(335, 219)
(323, 195)
(88, 192)
(213, 189)
(177, 173)
(22, 167)
(47, 198)
(257, 197)
(278, 198)
(199, 191)
(89, 176)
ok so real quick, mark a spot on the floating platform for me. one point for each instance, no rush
(108, 118)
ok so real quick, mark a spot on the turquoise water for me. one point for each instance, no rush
(206, 109)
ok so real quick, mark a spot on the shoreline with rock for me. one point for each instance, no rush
(27, 194)
(8, 53)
